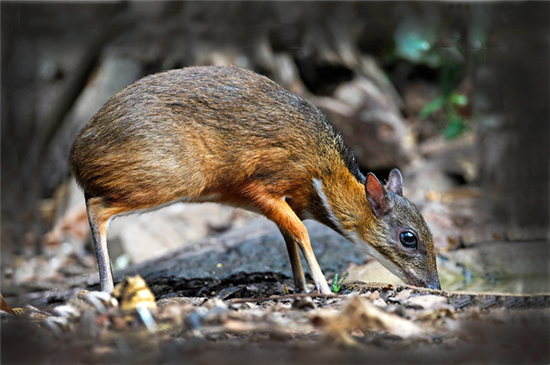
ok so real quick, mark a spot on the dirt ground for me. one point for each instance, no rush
(377, 323)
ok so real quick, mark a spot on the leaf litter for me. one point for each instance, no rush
(131, 326)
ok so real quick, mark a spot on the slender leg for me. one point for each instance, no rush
(295, 263)
(98, 216)
(282, 214)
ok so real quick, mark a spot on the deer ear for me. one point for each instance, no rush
(395, 182)
(377, 196)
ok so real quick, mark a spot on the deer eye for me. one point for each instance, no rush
(408, 239)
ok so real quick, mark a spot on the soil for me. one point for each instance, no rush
(258, 323)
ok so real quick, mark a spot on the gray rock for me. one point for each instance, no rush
(256, 247)
(150, 235)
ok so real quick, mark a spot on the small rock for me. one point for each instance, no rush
(66, 311)
(379, 302)
(56, 324)
(428, 301)
(214, 303)
(303, 303)
(403, 295)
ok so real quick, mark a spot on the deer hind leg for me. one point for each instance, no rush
(99, 213)
(295, 233)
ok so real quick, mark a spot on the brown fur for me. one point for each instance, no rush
(226, 135)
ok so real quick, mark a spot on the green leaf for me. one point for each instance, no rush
(458, 99)
(455, 127)
(432, 107)
(335, 286)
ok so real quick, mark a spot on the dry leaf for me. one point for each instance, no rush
(359, 314)
(132, 291)
(5, 306)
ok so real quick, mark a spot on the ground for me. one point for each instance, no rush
(376, 323)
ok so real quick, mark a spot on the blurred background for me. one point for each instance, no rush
(456, 95)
